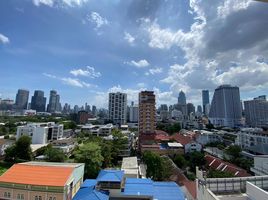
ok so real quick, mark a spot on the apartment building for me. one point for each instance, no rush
(98, 130)
(118, 108)
(147, 112)
(41, 133)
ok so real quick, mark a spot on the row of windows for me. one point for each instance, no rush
(21, 196)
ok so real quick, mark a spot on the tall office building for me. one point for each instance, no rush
(190, 108)
(133, 112)
(22, 99)
(199, 109)
(226, 107)
(182, 98)
(94, 110)
(205, 100)
(118, 107)
(147, 112)
(54, 102)
(256, 112)
(38, 102)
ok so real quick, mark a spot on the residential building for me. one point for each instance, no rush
(199, 108)
(204, 137)
(67, 145)
(205, 101)
(118, 108)
(22, 99)
(38, 102)
(226, 107)
(98, 130)
(82, 117)
(176, 114)
(182, 98)
(6, 104)
(147, 112)
(41, 133)
(113, 185)
(182, 108)
(249, 137)
(54, 102)
(41, 181)
(188, 142)
(260, 167)
(94, 111)
(133, 113)
(256, 112)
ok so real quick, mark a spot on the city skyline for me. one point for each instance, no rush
(162, 46)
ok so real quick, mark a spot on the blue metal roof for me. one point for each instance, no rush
(91, 193)
(159, 190)
(89, 183)
(110, 175)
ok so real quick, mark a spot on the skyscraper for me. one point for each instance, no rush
(226, 107)
(190, 108)
(256, 112)
(54, 102)
(38, 102)
(22, 99)
(147, 112)
(182, 98)
(199, 109)
(205, 100)
(118, 107)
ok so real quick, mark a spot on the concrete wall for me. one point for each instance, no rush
(256, 193)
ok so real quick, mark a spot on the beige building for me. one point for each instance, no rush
(41, 181)
(147, 112)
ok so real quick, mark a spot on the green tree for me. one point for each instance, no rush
(157, 167)
(10, 154)
(219, 174)
(42, 150)
(195, 159)
(234, 151)
(54, 155)
(90, 154)
(23, 148)
(106, 152)
(180, 161)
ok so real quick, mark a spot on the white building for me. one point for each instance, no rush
(248, 137)
(98, 130)
(260, 167)
(130, 167)
(41, 133)
(118, 108)
(204, 137)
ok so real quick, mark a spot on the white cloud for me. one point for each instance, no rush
(157, 70)
(51, 3)
(221, 47)
(129, 38)
(71, 81)
(88, 72)
(97, 19)
(140, 64)
(44, 2)
(4, 39)
(141, 85)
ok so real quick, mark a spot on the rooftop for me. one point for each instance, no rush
(110, 175)
(32, 173)
(129, 163)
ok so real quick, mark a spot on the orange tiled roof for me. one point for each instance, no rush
(37, 175)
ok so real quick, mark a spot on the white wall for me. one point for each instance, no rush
(256, 193)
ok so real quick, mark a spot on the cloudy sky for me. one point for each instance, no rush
(85, 49)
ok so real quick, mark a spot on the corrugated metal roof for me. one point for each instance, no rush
(110, 175)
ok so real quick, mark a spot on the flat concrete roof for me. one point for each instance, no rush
(129, 163)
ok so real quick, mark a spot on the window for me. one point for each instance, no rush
(7, 195)
(40, 198)
(36, 198)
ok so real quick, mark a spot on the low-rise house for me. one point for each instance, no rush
(66, 145)
(204, 137)
(218, 164)
(112, 185)
(188, 142)
(41, 181)
(98, 130)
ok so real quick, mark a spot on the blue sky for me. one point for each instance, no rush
(85, 49)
